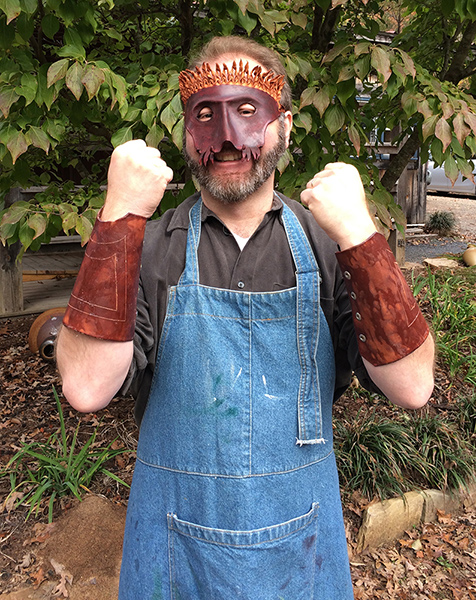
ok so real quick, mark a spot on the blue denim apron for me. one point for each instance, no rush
(235, 492)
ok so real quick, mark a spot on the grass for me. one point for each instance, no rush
(452, 303)
(41, 473)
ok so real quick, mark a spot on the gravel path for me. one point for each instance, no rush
(464, 210)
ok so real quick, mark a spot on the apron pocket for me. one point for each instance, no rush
(271, 563)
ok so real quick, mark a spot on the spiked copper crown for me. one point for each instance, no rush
(205, 77)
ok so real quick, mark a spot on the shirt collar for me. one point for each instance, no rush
(180, 220)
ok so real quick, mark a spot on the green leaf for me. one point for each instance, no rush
(361, 48)
(323, 98)
(470, 119)
(305, 66)
(169, 117)
(354, 138)
(268, 23)
(17, 145)
(443, 133)
(50, 25)
(69, 220)
(121, 136)
(429, 125)
(8, 97)
(465, 167)
(451, 170)
(29, 6)
(177, 133)
(292, 68)
(92, 79)
(460, 128)
(247, 21)
(26, 235)
(334, 118)
(84, 228)
(15, 213)
(447, 7)
(307, 97)
(73, 79)
(381, 62)
(155, 136)
(172, 82)
(299, 19)
(362, 67)
(38, 138)
(408, 63)
(28, 88)
(11, 8)
(38, 223)
(57, 71)
(345, 90)
(335, 52)
(409, 103)
(304, 121)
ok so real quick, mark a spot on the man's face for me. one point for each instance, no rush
(234, 138)
(230, 178)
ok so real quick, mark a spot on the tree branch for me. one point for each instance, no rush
(399, 161)
(456, 70)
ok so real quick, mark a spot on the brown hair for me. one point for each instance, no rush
(241, 47)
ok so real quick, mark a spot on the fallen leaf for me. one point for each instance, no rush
(38, 578)
(66, 577)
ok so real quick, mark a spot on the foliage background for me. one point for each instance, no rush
(78, 77)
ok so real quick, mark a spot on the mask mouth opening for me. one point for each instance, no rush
(229, 153)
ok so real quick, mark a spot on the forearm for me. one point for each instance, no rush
(92, 370)
(393, 337)
(407, 382)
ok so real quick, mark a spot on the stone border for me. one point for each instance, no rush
(384, 522)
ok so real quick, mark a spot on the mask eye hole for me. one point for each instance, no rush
(246, 110)
(205, 114)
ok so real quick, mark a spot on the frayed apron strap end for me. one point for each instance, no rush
(306, 442)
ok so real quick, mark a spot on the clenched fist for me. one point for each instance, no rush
(137, 179)
(336, 198)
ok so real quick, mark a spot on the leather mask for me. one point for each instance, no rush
(226, 123)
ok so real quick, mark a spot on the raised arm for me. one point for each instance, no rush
(94, 347)
(394, 340)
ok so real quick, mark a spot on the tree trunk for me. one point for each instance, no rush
(11, 282)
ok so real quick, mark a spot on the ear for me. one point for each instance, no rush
(288, 125)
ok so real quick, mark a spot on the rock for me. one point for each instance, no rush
(435, 500)
(468, 496)
(441, 263)
(386, 521)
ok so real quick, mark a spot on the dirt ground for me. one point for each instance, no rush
(464, 210)
(78, 556)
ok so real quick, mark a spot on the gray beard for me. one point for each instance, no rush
(232, 191)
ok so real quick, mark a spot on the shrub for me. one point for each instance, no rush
(440, 222)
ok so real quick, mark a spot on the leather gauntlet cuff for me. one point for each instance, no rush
(387, 319)
(104, 299)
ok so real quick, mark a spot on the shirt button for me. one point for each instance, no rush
(241, 284)
(353, 295)
(362, 338)
(358, 316)
(347, 275)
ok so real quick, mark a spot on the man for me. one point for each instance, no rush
(244, 336)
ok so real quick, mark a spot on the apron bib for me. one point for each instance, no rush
(235, 492)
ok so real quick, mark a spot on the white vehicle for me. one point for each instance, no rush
(438, 182)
